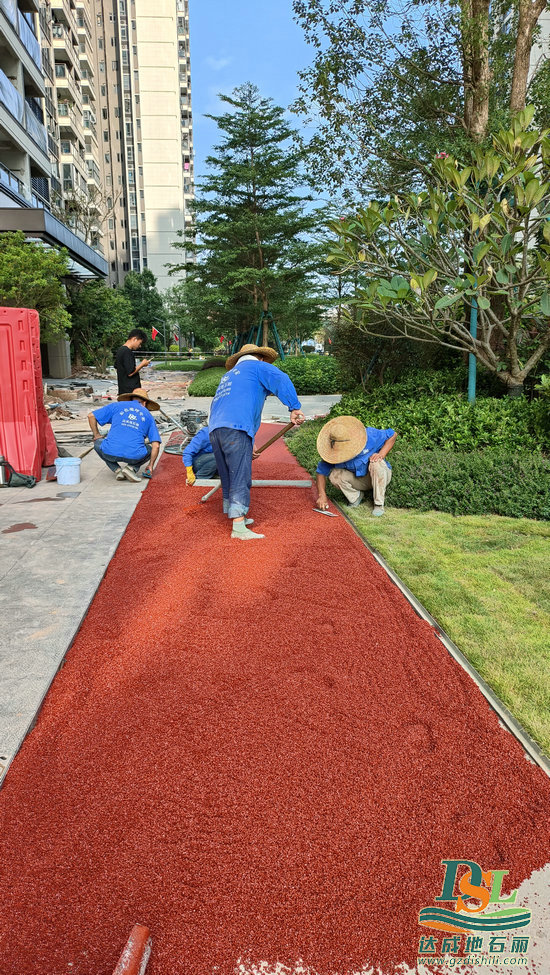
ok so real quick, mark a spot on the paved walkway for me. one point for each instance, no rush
(50, 569)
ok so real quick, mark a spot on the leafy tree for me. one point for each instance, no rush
(191, 310)
(254, 225)
(31, 276)
(102, 319)
(395, 81)
(140, 288)
(479, 234)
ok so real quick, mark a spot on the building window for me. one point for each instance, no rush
(125, 266)
(99, 20)
(112, 245)
(104, 90)
(122, 6)
(118, 157)
(105, 135)
(111, 223)
(124, 32)
(136, 77)
(114, 65)
(117, 112)
(135, 265)
(113, 265)
(104, 113)
(107, 157)
(123, 245)
(125, 57)
(102, 67)
(100, 43)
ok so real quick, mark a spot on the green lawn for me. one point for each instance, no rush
(180, 365)
(486, 582)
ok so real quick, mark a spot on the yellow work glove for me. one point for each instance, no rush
(190, 476)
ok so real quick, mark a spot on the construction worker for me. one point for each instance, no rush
(124, 449)
(354, 460)
(235, 417)
(198, 457)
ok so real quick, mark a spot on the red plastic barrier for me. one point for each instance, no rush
(48, 446)
(20, 441)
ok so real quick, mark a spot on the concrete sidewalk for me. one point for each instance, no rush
(56, 543)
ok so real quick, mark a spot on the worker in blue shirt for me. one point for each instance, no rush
(124, 449)
(198, 457)
(354, 460)
(235, 417)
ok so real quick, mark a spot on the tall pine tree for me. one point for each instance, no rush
(254, 243)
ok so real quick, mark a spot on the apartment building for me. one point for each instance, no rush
(96, 124)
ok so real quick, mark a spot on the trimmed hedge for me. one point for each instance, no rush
(316, 375)
(206, 383)
(500, 482)
(311, 375)
(427, 412)
(180, 365)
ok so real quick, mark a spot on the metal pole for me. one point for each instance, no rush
(471, 357)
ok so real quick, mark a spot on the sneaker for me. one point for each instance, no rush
(355, 504)
(129, 473)
(249, 521)
(245, 534)
(119, 474)
(377, 511)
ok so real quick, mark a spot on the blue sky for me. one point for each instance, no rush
(234, 41)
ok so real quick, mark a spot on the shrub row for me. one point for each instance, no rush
(206, 382)
(311, 375)
(315, 375)
(180, 365)
(508, 483)
(447, 420)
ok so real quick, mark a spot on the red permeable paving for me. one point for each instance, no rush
(256, 749)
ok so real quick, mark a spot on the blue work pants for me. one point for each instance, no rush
(233, 453)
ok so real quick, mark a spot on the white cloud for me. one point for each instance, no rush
(217, 64)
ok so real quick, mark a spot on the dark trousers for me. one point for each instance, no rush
(113, 462)
(204, 465)
(233, 453)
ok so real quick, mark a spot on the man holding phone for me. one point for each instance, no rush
(125, 362)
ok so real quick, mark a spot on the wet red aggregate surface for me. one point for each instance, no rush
(256, 749)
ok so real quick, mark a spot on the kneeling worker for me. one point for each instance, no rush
(354, 460)
(124, 449)
(198, 457)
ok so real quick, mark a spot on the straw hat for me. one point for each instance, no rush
(140, 394)
(262, 350)
(341, 439)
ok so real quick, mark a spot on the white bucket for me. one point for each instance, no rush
(67, 470)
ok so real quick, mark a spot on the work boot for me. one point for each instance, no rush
(130, 473)
(241, 531)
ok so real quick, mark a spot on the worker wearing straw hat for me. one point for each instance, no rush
(353, 457)
(235, 417)
(124, 449)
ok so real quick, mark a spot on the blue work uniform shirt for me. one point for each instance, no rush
(130, 424)
(360, 464)
(242, 393)
(200, 444)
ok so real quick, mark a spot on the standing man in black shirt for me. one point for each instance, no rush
(125, 362)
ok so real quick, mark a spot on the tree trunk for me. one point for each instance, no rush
(529, 13)
(475, 67)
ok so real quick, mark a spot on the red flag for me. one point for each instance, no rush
(330, 341)
(222, 338)
(176, 339)
(154, 333)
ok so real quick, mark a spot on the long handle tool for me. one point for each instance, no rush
(260, 450)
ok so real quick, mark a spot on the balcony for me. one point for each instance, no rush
(36, 130)
(10, 9)
(63, 13)
(11, 99)
(83, 23)
(29, 39)
(70, 123)
(87, 81)
(64, 47)
(65, 83)
(85, 53)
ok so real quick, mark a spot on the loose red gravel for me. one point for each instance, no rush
(256, 749)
